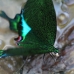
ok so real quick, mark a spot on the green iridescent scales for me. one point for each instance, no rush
(40, 16)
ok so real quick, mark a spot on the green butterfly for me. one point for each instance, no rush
(36, 28)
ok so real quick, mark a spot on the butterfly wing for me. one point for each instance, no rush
(40, 16)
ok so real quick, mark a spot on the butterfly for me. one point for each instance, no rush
(36, 28)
